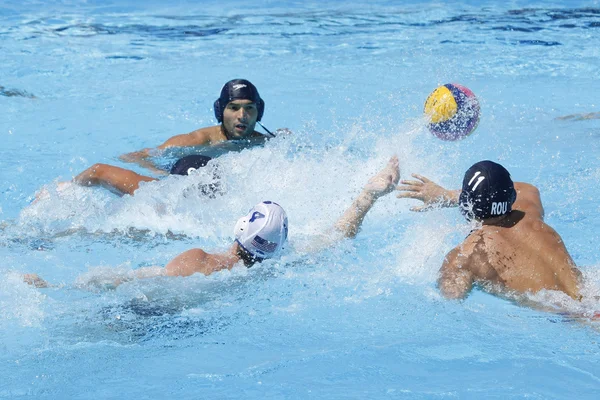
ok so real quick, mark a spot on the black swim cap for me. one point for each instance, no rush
(187, 163)
(238, 89)
(487, 191)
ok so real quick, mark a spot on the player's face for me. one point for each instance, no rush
(239, 118)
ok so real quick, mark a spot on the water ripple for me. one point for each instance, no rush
(321, 23)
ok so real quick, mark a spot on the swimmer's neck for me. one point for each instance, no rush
(494, 220)
(224, 132)
(507, 220)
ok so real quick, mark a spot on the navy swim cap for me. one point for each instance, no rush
(238, 89)
(487, 191)
(187, 163)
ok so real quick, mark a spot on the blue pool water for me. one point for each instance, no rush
(85, 81)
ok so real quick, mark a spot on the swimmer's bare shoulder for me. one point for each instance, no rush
(188, 263)
(528, 200)
(199, 137)
(211, 135)
(198, 261)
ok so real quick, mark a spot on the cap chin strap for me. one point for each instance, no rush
(265, 128)
(230, 138)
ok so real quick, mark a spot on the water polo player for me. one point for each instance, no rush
(513, 251)
(262, 233)
(238, 109)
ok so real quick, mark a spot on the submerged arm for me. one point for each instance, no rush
(580, 117)
(185, 264)
(142, 158)
(200, 137)
(36, 281)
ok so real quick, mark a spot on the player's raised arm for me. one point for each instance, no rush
(430, 193)
(379, 185)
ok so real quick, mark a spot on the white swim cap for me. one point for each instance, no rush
(263, 231)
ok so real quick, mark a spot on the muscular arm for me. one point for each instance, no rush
(142, 158)
(197, 260)
(382, 183)
(432, 195)
(455, 279)
(123, 180)
(185, 264)
(200, 137)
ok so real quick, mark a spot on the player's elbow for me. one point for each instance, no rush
(452, 290)
(98, 170)
(91, 176)
(348, 231)
(452, 293)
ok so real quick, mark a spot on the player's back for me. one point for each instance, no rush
(523, 253)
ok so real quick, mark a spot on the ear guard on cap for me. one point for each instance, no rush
(184, 165)
(238, 89)
(219, 108)
(477, 206)
(488, 191)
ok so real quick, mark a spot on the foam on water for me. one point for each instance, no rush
(329, 178)
(19, 305)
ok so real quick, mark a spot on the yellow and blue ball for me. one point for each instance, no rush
(453, 112)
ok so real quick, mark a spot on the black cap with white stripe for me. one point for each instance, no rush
(186, 164)
(487, 191)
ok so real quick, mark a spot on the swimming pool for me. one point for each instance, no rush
(360, 320)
